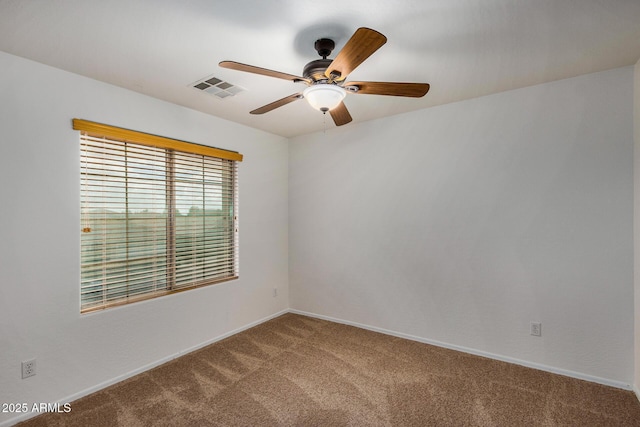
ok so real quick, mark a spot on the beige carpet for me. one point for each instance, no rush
(300, 371)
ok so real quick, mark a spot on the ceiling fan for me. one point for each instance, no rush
(325, 78)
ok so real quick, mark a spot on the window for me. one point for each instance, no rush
(158, 215)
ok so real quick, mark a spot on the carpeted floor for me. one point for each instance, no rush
(300, 371)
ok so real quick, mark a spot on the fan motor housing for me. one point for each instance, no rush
(314, 70)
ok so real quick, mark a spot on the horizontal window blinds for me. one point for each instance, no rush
(154, 221)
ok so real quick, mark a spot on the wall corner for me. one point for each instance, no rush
(636, 225)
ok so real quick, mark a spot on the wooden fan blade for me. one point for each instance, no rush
(414, 90)
(262, 71)
(362, 44)
(276, 104)
(340, 115)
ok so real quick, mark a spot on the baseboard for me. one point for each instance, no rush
(142, 369)
(541, 367)
(637, 392)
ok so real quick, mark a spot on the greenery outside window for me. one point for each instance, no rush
(158, 215)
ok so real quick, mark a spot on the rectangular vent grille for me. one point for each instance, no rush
(216, 87)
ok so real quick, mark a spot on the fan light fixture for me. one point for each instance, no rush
(324, 97)
(327, 78)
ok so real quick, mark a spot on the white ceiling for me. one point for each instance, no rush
(463, 48)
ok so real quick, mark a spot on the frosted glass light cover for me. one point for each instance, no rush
(324, 97)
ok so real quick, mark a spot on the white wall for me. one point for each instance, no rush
(462, 223)
(39, 238)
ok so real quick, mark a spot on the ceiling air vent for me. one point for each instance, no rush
(216, 87)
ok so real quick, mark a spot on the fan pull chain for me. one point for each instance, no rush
(324, 123)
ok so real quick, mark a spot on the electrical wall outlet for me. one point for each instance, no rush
(275, 292)
(536, 329)
(28, 368)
